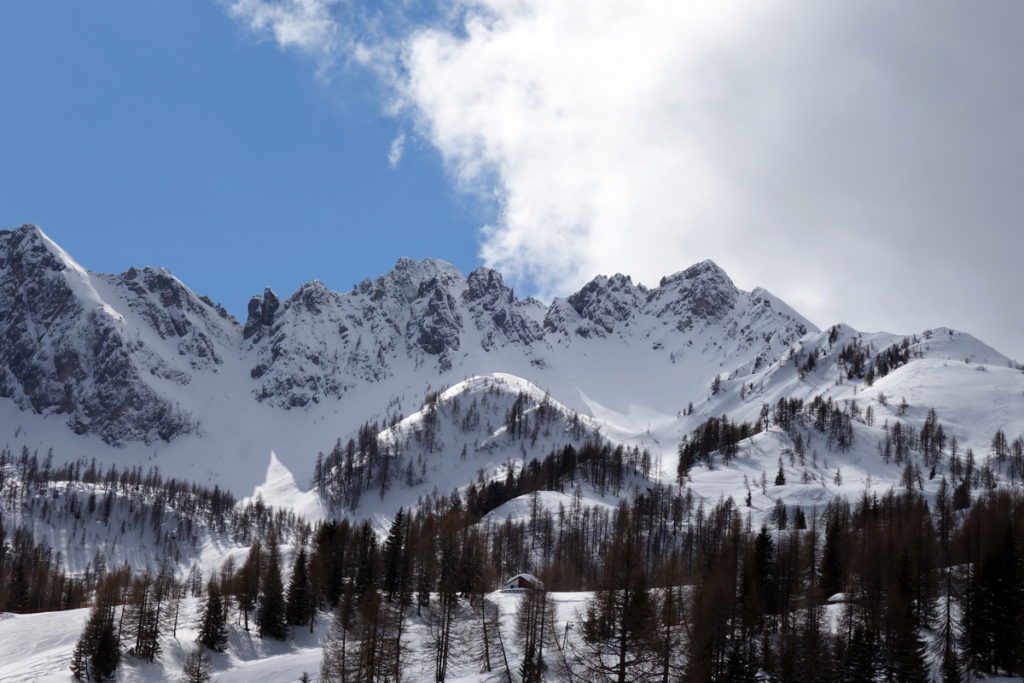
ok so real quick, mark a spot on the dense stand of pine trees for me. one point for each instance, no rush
(32, 576)
(680, 590)
(99, 507)
(715, 600)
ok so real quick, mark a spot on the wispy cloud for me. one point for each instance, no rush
(304, 25)
(396, 150)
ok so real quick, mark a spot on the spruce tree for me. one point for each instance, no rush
(298, 606)
(79, 665)
(271, 619)
(97, 654)
(213, 629)
(393, 555)
(248, 581)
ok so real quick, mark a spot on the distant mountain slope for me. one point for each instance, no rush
(141, 362)
(136, 368)
(109, 352)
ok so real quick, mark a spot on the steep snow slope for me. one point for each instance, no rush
(973, 390)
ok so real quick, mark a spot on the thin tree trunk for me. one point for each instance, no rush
(483, 624)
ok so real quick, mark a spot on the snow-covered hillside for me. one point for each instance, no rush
(426, 366)
(142, 425)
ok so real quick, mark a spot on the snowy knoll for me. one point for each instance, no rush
(480, 430)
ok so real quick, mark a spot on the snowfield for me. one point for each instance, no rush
(37, 647)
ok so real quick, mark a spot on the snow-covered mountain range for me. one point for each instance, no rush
(136, 368)
(693, 395)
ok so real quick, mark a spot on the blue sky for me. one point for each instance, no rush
(858, 158)
(160, 133)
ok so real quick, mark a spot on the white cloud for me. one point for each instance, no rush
(859, 158)
(396, 150)
(582, 116)
(304, 25)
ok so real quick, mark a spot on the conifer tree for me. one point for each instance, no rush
(79, 665)
(213, 630)
(271, 619)
(249, 581)
(447, 596)
(335, 664)
(197, 667)
(299, 606)
(393, 556)
(534, 624)
(667, 639)
(143, 616)
(618, 623)
(97, 654)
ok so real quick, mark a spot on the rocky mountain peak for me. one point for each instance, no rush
(65, 346)
(261, 312)
(410, 280)
(702, 292)
(171, 293)
(702, 270)
(497, 314)
(607, 303)
(26, 250)
(312, 295)
(485, 283)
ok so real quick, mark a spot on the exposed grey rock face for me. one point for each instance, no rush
(252, 322)
(261, 313)
(170, 309)
(497, 313)
(270, 305)
(607, 304)
(65, 351)
(701, 293)
(323, 343)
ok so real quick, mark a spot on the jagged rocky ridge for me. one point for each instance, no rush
(132, 357)
(69, 345)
